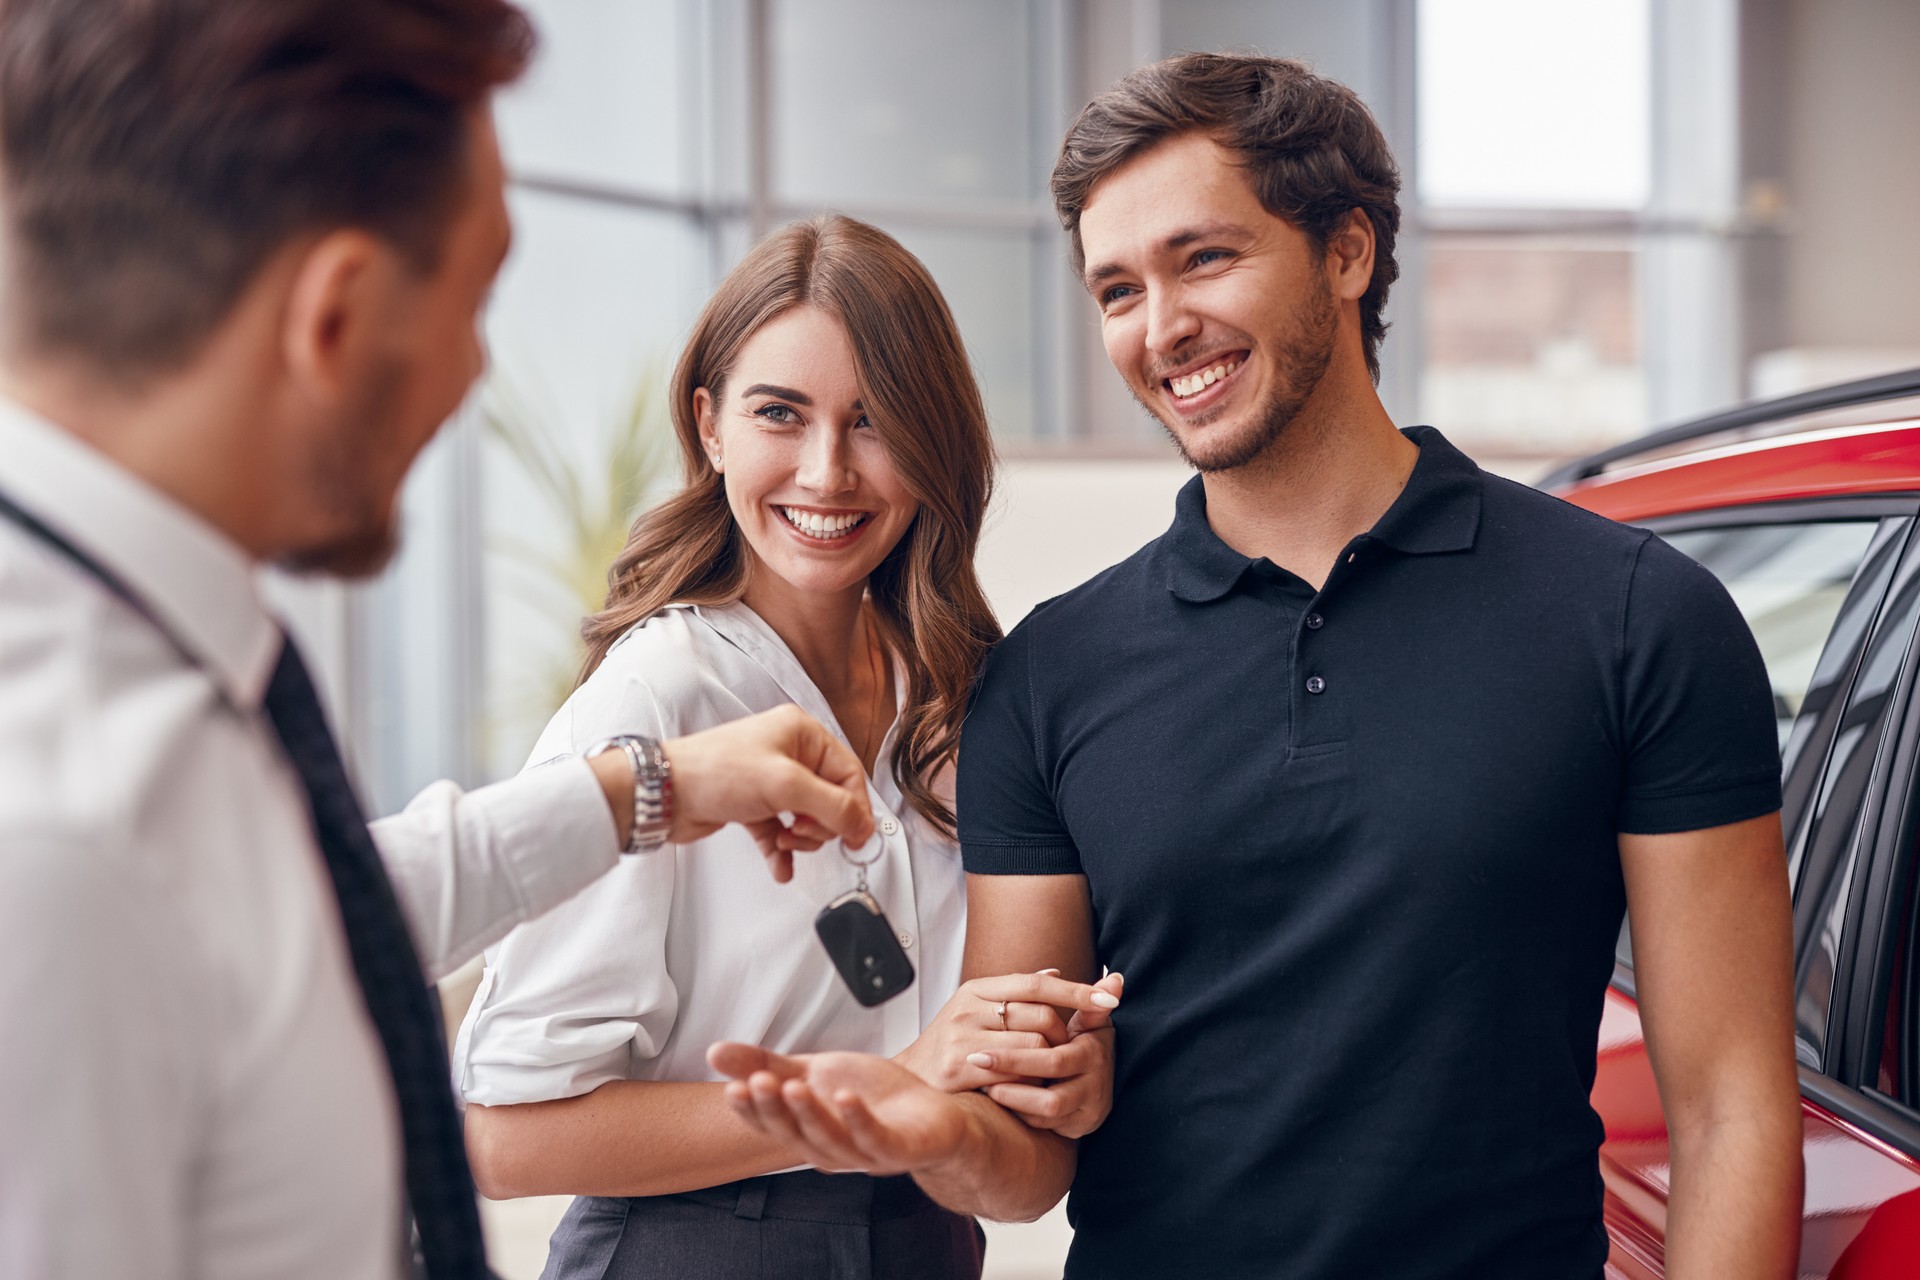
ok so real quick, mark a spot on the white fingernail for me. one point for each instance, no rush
(980, 1059)
(1054, 973)
(1106, 1001)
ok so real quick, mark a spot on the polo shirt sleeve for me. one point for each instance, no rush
(1702, 747)
(1009, 823)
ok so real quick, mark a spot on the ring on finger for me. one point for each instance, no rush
(1001, 1009)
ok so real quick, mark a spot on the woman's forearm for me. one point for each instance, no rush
(626, 1138)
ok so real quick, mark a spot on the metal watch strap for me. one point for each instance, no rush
(652, 788)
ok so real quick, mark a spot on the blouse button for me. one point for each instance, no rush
(906, 939)
(888, 827)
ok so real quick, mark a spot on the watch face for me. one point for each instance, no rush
(863, 948)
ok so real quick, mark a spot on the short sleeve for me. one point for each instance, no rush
(1702, 749)
(1009, 824)
(569, 1000)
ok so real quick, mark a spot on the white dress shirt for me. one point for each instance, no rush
(190, 1086)
(636, 976)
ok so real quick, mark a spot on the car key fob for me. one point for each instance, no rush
(863, 947)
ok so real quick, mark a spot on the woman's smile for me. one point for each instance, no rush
(824, 528)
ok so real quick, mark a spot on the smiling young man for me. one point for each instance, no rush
(1352, 772)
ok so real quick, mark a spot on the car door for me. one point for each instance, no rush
(1828, 588)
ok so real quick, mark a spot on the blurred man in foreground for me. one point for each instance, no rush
(247, 244)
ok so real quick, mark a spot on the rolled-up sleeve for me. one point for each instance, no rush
(572, 998)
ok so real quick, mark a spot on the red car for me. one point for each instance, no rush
(1806, 508)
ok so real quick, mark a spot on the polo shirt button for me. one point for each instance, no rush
(1316, 685)
(1315, 622)
(888, 827)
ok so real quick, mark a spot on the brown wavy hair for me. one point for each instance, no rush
(919, 393)
(1310, 148)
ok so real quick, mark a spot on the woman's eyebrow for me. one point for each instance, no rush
(779, 393)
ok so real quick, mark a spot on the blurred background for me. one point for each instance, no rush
(1617, 213)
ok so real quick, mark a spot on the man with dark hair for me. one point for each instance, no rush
(1352, 772)
(247, 243)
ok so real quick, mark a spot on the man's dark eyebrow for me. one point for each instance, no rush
(1178, 240)
(778, 393)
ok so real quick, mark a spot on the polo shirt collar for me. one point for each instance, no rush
(1437, 511)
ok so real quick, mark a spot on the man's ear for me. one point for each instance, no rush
(1350, 257)
(333, 306)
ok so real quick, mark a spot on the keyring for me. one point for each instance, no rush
(861, 864)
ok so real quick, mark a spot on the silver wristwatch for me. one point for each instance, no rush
(652, 788)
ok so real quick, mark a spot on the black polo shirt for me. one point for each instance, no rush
(1355, 851)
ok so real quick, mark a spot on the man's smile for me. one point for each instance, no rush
(1201, 384)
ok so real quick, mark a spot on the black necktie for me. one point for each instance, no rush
(439, 1185)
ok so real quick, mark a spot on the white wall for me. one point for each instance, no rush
(1057, 522)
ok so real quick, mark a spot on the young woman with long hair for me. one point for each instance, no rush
(838, 467)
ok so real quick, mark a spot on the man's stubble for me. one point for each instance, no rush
(1302, 360)
(338, 474)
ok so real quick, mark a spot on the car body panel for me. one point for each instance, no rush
(1851, 1175)
(1862, 1218)
(1882, 458)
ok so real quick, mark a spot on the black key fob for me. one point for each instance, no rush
(870, 959)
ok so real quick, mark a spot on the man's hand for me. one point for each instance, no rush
(843, 1111)
(751, 771)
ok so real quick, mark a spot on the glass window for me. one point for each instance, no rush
(602, 102)
(868, 108)
(1899, 1073)
(1533, 344)
(1536, 105)
(586, 320)
(1789, 581)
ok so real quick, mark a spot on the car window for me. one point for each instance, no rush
(1898, 1076)
(1789, 580)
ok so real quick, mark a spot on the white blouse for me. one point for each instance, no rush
(637, 975)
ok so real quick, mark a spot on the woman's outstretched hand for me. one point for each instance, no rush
(843, 1111)
(752, 770)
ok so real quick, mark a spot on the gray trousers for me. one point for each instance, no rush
(788, 1226)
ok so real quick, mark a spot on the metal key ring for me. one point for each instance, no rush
(879, 851)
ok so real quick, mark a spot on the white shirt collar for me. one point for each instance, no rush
(754, 636)
(195, 580)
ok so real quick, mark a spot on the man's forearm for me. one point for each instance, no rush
(1005, 1170)
(1736, 1200)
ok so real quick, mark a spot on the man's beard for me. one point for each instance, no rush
(361, 554)
(338, 474)
(1301, 363)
